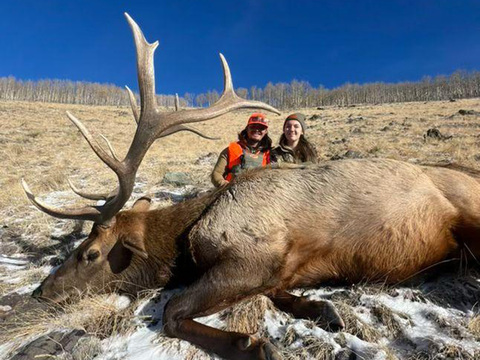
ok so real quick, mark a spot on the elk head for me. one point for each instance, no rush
(112, 245)
(98, 264)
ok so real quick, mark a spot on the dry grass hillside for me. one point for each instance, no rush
(38, 143)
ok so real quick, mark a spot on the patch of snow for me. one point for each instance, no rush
(421, 328)
(11, 263)
(11, 267)
(364, 314)
(14, 258)
(5, 308)
(27, 289)
(317, 294)
(11, 280)
(139, 187)
(363, 349)
(149, 342)
(58, 198)
(5, 349)
(276, 324)
(143, 344)
(176, 194)
(119, 301)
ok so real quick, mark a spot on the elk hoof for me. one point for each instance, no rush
(329, 318)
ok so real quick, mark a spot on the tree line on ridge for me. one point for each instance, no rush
(293, 95)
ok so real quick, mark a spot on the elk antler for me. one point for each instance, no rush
(152, 124)
(89, 196)
(178, 128)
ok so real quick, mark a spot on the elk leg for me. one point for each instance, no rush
(220, 287)
(322, 312)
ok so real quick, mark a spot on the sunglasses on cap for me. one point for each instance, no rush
(258, 120)
(256, 127)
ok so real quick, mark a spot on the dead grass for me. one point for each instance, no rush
(192, 352)
(474, 326)
(96, 315)
(445, 352)
(247, 316)
(87, 348)
(311, 347)
(355, 326)
(389, 355)
(386, 317)
(25, 277)
(197, 354)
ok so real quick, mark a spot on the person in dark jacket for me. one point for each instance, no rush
(293, 145)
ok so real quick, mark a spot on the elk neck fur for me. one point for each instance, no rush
(165, 235)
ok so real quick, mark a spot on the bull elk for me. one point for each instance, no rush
(265, 233)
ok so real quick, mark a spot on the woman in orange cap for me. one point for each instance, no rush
(252, 150)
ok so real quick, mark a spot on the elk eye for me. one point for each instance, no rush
(92, 255)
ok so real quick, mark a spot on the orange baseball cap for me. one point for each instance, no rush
(258, 118)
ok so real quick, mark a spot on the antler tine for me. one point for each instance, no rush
(114, 164)
(228, 101)
(178, 128)
(91, 213)
(85, 195)
(231, 100)
(227, 78)
(133, 104)
(110, 147)
(145, 69)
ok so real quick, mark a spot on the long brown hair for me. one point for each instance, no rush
(304, 151)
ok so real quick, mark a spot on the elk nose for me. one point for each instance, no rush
(37, 293)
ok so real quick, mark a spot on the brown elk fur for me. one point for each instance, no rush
(274, 230)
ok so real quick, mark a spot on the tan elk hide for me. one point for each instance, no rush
(265, 233)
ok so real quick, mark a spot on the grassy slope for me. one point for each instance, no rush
(38, 142)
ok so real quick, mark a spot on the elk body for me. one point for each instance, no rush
(265, 233)
(275, 230)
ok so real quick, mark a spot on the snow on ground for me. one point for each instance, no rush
(421, 323)
(13, 262)
(384, 324)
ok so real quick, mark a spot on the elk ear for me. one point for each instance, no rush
(142, 204)
(136, 244)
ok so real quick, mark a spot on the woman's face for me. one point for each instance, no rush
(292, 130)
(256, 132)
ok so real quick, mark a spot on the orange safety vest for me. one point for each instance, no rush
(235, 152)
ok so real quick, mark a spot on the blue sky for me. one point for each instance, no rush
(322, 42)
